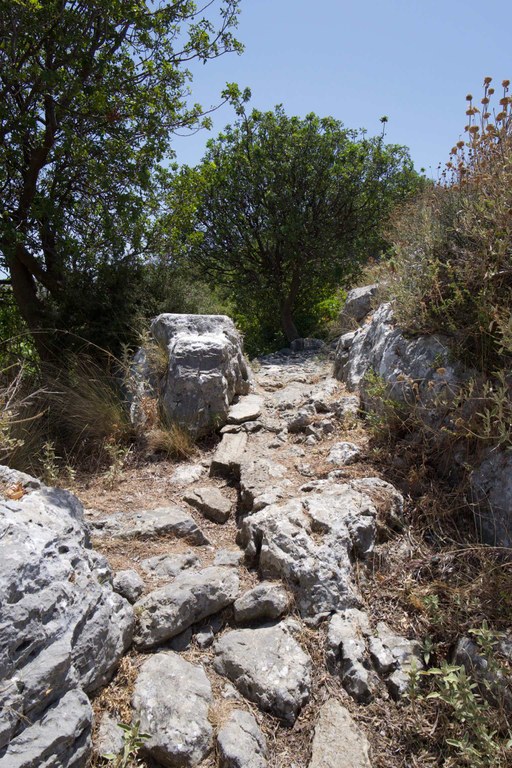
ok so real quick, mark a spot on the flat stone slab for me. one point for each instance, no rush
(192, 596)
(241, 743)
(226, 459)
(151, 523)
(265, 601)
(171, 699)
(247, 409)
(338, 741)
(210, 502)
(169, 566)
(262, 482)
(187, 474)
(268, 666)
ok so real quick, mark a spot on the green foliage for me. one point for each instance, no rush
(15, 340)
(472, 727)
(282, 209)
(90, 93)
(133, 740)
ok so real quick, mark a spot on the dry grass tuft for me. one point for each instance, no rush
(174, 441)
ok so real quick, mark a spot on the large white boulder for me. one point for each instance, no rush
(206, 369)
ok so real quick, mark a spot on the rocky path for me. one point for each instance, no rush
(253, 645)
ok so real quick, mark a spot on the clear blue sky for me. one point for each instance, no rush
(412, 60)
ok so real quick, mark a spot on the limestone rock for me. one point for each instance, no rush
(246, 409)
(206, 369)
(210, 502)
(289, 397)
(358, 305)
(494, 684)
(301, 419)
(152, 523)
(187, 474)
(382, 658)
(129, 584)
(265, 601)
(262, 482)
(342, 454)
(110, 737)
(338, 740)
(346, 650)
(491, 484)
(170, 566)
(192, 596)
(410, 368)
(205, 636)
(228, 456)
(406, 653)
(388, 501)
(241, 743)
(308, 541)
(171, 699)
(60, 737)
(231, 557)
(64, 629)
(268, 666)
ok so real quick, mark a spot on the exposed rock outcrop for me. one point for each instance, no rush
(420, 373)
(63, 629)
(309, 541)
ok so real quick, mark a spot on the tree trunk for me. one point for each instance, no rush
(287, 307)
(31, 309)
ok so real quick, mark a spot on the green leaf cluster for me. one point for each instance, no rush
(90, 94)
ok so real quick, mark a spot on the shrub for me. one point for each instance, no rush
(453, 246)
(474, 726)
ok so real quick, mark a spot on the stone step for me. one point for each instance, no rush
(227, 458)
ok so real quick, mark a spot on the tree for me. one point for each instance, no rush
(90, 93)
(282, 208)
